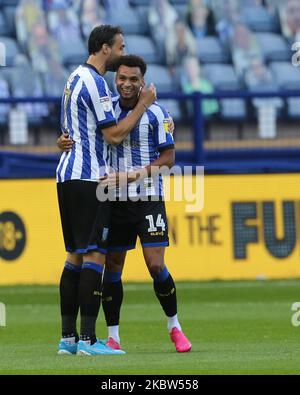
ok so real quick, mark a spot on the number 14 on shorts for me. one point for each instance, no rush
(160, 223)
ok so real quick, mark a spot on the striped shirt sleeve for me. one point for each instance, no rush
(100, 100)
(162, 137)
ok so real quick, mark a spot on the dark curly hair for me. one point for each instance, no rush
(133, 61)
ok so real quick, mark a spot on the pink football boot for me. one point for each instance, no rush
(182, 344)
(113, 344)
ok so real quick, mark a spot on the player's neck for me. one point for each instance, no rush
(98, 63)
(128, 104)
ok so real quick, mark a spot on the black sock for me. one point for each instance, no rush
(166, 294)
(112, 297)
(89, 299)
(69, 303)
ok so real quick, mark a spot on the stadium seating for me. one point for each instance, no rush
(160, 76)
(222, 76)
(140, 2)
(259, 19)
(142, 46)
(73, 54)
(3, 26)
(293, 108)
(288, 79)
(174, 2)
(23, 87)
(4, 108)
(224, 79)
(12, 49)
(287, 76)
(129, 20)
(181, 10)
(31, 86)
(273, 46)
(9, 15)
(213, 55)
(210, 50)
(142, 12)
(12, 3)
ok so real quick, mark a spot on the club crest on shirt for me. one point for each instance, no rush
(106, 103)
(166, 123)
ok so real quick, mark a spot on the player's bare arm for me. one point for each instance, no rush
(116, 134)
(165, 159)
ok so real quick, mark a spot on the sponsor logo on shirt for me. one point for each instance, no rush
(106, 103)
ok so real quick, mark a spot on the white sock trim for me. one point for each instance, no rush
(173, 323)
(113, 331)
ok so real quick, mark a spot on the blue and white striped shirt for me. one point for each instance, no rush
(86, 109)
(142, 146)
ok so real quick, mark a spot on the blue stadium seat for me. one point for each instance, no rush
(286, 75)
(178, 2)
(233, 109)
(140, 2)
(160, 76)
(12, 3)
(293, 107)
(28, 85)
(142, 46)
(181, 10)
(259, 19)
(73, 54)
(172, 107)
(209, 50)
(288, 78)
(270, 86)
(4, 108)
(273, 46)
(3, 26)
(12, 49)
(31, 86)
(223, 78)
(10, 18)
(129, 20)
(142, 12)
(58, 88)
(3, 75)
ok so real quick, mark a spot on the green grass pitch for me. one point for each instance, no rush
(235, 328)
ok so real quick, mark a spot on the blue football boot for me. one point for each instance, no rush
(67, 348)
(98, 348)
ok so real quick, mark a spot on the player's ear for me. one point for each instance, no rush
(105, 48)
(143, 82)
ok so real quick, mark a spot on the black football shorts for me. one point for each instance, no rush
(85, 220)
(146, 219)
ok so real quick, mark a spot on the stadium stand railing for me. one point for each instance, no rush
(218, 155)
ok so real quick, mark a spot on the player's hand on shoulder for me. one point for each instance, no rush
(148, 95)
(171, 124)
(65, 143)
